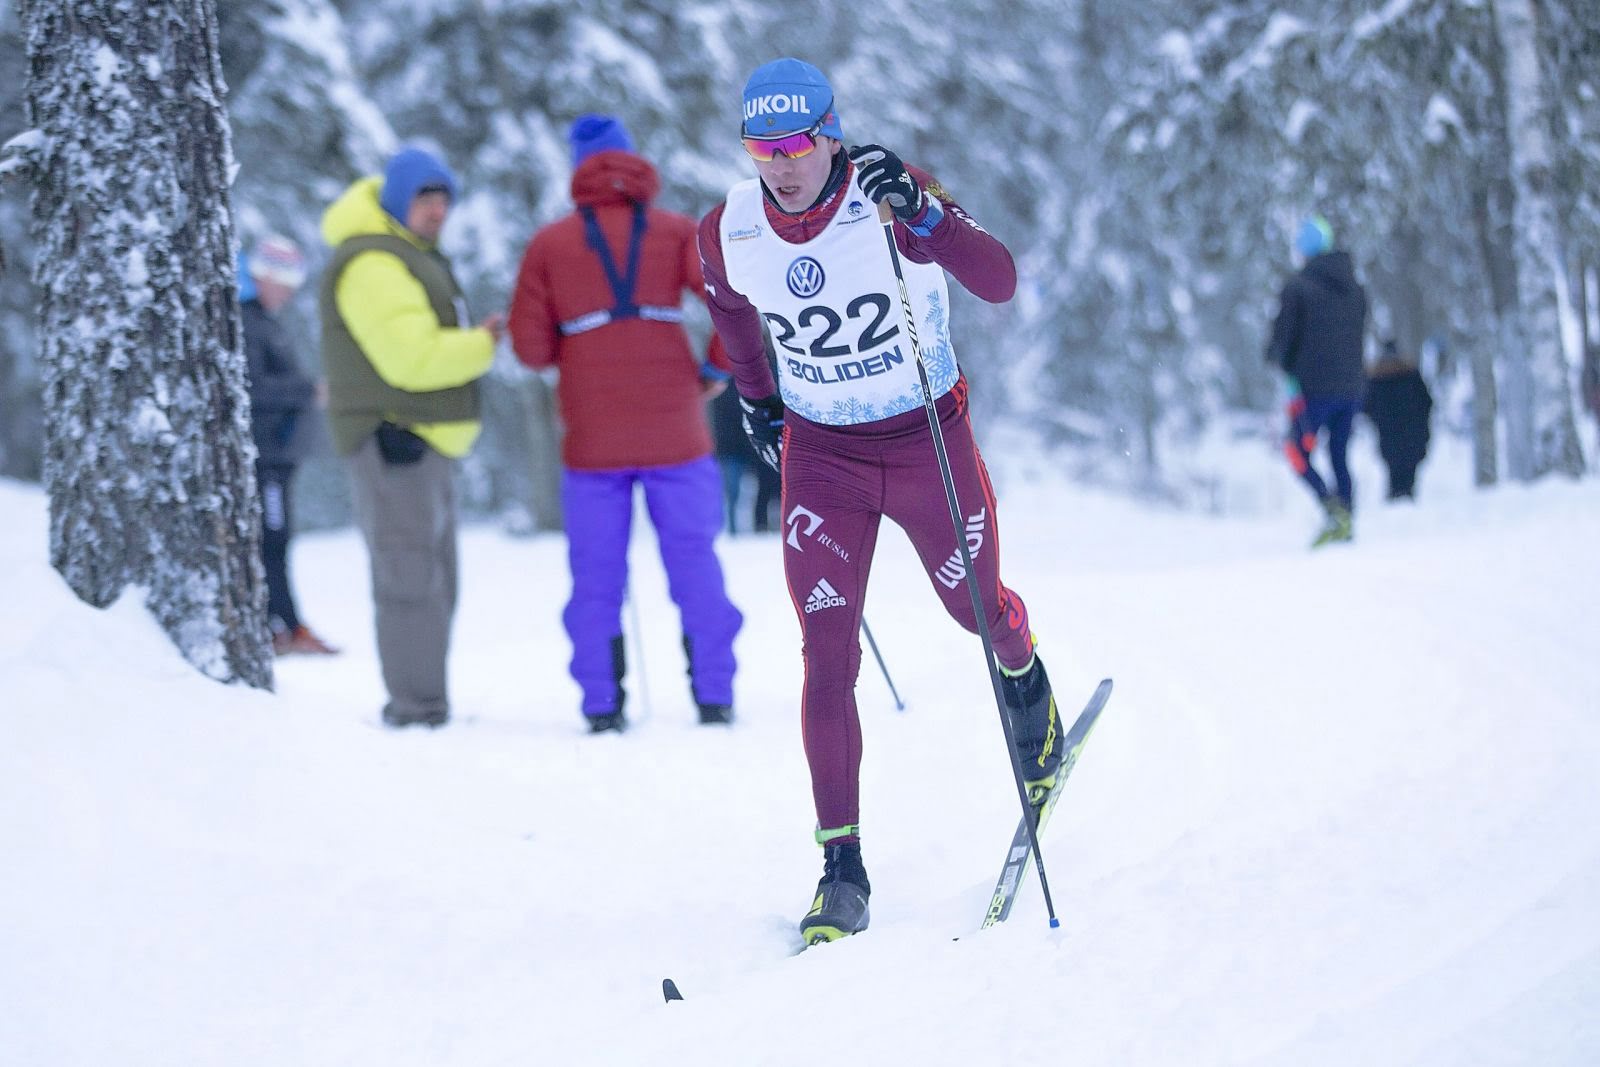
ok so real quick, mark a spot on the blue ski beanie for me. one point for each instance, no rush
(408, 173)
(788, 95)
(597, 133)
(1315, 237)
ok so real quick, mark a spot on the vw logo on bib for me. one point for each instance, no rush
(805, 277)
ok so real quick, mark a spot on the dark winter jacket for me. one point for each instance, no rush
(1399, 404)
(727, 426)
(1322, 318)
(279, 392)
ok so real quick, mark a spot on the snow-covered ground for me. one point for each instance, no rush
(1344, 808)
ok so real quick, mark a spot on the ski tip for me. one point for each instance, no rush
(669, 989)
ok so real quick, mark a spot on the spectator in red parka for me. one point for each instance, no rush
(599, 299)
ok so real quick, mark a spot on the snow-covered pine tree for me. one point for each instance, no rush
(1539, 393)
(1146, 164)
(303, 128)
(1570, 34)
(19, 372)
(148, 460)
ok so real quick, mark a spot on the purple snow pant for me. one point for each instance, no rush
(838, 483)
(685, 504)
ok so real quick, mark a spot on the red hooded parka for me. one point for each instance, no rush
(630, 391)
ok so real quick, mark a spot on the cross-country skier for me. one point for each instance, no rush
(1317, 341)
(801, 249)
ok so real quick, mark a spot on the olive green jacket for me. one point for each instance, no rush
(394, 344)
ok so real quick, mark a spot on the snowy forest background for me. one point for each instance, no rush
(1147, 165)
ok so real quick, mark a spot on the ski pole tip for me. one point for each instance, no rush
(1055, 923)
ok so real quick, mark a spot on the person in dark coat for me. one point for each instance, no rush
(1399, 405)
(280, 395)
(1317, 342)
(739, 464)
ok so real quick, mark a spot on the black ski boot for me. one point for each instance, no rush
(613, 721)
(1035, 726)
(607, 722)
(711, 714)
(840, 908)
(715, 714)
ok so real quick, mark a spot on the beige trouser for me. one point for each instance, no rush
(408, 516)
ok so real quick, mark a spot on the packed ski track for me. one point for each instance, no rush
(1341, 808)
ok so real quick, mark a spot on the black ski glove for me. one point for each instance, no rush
(884, 177)
(763, 424)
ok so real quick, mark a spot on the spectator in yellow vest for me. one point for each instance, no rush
(403, 366)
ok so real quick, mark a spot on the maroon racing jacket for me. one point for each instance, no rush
(631, 392)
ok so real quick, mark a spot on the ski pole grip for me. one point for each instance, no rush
(885, 212)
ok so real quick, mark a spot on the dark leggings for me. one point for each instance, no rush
(1337, 416)
(273, 481)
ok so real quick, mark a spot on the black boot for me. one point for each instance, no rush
(613, 721)
(433, 718)
(840, 907)
(607, 722)
(1035, 726)
(710, 714)
(713, 714)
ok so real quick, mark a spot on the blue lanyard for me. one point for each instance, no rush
(622, 286)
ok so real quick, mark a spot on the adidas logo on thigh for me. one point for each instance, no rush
(823, 596)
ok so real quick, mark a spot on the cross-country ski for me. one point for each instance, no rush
(1014, 871)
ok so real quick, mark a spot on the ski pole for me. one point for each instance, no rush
(899, 705)
(886, 216)
(638, 646)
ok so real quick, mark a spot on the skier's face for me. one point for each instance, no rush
(796, 183)
(427, 214)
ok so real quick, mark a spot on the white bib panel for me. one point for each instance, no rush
(833, 308)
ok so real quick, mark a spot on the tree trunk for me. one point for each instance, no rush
(1543, 401)
(148, 461)
(1588, 294)
(544, 461)
(1491, 199)
(1408, 310)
